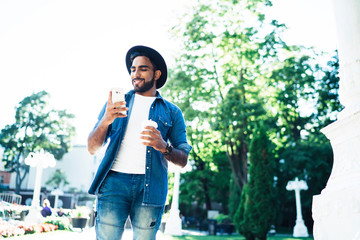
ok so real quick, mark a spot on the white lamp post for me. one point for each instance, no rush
(300, 229)
(40, 160)
(173, 223)
(57, 192)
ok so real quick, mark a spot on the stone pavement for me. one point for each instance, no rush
(87, 234)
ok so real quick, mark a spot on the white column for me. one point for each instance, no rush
(37, 187)
(336, 211)
(173, 223)
(56, 192)
(347, 18)
(300, 230)
(39, 160)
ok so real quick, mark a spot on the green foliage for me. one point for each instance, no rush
(219, 75)
(36, 127)
(220, 180)
(57, 179)
(203, 184)
(233, 72)
(256, 211)
(222, 218)
(294, 84)
(240, 219)
(234, 198)
(63, 223)
(302, 107)
(260, 187)
(311, 160)
(328, 104)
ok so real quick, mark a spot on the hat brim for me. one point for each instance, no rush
(155, 57)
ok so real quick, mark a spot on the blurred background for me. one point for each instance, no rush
(238, 70)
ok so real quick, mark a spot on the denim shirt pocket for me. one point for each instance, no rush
(165, 124)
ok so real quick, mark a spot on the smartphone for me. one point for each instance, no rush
(118, 95)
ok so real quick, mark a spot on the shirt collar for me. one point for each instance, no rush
(158, 96)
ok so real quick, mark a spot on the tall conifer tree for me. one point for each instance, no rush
(256, 211)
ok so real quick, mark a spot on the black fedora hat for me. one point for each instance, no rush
(154, 57)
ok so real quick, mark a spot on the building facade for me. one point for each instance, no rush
(79, 168)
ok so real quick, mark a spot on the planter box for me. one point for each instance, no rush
(79, 222)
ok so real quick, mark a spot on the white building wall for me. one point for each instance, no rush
(336, 211)
(78, 165)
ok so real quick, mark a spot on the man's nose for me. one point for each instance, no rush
(136, 73)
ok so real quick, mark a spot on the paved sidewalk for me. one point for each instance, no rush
(87, 234)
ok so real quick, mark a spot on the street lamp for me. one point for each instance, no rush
(40, 160)
(173, 223)
(300, 229)
(56, 192)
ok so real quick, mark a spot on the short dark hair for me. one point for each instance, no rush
(144, 54)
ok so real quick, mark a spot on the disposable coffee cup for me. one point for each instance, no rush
(147, 123)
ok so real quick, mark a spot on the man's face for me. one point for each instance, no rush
(142, 74)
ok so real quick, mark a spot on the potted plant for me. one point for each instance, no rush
(79, 217)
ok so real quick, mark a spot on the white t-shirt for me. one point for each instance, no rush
(132, 153)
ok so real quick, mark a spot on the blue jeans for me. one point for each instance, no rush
(120, 196)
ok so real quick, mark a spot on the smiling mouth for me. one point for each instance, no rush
(137, 81)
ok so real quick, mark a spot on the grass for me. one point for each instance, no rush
(229, 238)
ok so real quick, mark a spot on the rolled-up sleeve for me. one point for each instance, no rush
(101, 114)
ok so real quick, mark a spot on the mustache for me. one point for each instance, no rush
(141, 79)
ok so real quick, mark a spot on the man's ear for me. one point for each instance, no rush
(157, 74)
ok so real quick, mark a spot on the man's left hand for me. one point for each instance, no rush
(154, 139)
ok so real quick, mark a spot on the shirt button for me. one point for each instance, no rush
(147, 167)
(148, 151)
(147, 185)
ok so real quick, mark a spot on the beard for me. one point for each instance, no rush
(146, 86)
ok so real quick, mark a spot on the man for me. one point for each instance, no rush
(132, 177)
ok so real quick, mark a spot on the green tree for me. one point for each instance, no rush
(200, 135)
(58, 179)
(257, 212)
(294, 84)
(36, 127)
(234, 198)
(311, 160)
(328, 103)
(221, 180)
(225, 58)
(234, 70)
(196, 188)
(242, 224)
(303, 103)
(203, 184)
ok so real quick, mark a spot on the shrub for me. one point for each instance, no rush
(255, 214)
(63, 223)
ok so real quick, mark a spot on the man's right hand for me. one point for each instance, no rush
(114, 110)
(97, 136)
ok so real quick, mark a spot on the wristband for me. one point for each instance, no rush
(169, 149)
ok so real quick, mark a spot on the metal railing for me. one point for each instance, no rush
(10, 198)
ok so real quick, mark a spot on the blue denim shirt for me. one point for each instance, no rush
(171, 124)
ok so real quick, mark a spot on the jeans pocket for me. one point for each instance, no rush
(106, 184)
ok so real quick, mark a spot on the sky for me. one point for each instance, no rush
(75, 49)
